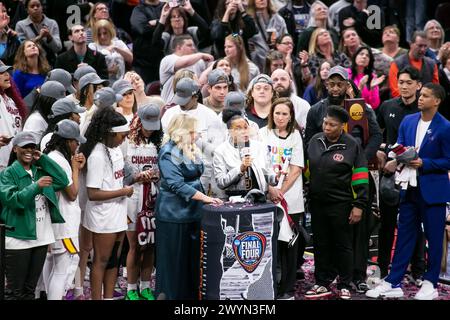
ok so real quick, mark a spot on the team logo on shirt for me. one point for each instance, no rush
(338, 157)
(249, 248)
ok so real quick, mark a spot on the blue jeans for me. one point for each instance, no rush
(415, 16)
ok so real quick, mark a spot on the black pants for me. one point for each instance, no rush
(178, 260)
(361, 236)
(333, 239)
(389, 216)
(287, 259)
(23, 268)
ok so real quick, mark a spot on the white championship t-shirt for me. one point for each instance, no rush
(70, 210)
(279, 150)
(44, 231)
(10, 125)
(106, 216)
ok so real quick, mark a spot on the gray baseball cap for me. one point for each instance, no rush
(23, 138)
(91, 78)
(63, 77)
(260, 78)
(4, 68)
(122, 86)
(53, 89)
(235, 100)
(106, 97)
(81, 71)
(149, 115)
(217, 76)
(69, 129)
(65, 105)
(339, 71)
(186, 88)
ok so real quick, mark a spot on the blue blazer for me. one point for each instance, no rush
(434, 151)
(180, 180)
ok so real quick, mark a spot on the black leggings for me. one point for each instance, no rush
(23, 268)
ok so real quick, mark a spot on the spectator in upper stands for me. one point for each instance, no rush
(391, 40)
(9, 41)
(242, 69)
(184, 56)
(231, 18)
(16, 10)
(30, 67)
(317, 90)
(270, 26)
(147, 57)
(100, 11)
(318, 19)
(435, 35)
(175, 21)
(357, 16)
(296, 16)
(321, 47)
(41, 29)
(444, 78)
(294, 65)
(274, 60)
(416, 58)
(80, 54)
(335, 8)
(362, 74)
(415, 16)
(117, 54)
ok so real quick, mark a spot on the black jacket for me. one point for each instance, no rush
(319, 111)
(146, 54)
(69, 61)
(390, 114)
(338, 170)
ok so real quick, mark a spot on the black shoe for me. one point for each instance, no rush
(361, 287)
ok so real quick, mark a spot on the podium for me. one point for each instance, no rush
(238, 252)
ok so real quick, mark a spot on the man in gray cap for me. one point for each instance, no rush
(339, 87)
(260, 94)
(217, 88)
(209, 126)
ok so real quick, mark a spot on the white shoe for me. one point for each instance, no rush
(384, 289)
(426, 292)
(372, 282)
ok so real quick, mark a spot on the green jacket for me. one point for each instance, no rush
(18, 192)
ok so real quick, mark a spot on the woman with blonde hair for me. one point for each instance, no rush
(242, 69)
(321, 47)
(30, 67)
(116, 52)
(178, 211)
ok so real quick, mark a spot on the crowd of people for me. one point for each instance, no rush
(115, 131)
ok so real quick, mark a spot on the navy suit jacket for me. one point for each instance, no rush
(434, 151)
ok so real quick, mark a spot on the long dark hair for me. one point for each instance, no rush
(319, 85)
(84, 93)
(53, 121)
(367, 70)
(100, 128)
(136, 136)
(292, 123)
(14, 93)
(59, 143)
(43, 105)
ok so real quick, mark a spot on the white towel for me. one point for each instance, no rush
(405, 176)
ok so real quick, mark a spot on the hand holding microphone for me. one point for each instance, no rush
(246, 158)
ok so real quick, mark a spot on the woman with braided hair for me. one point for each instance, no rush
(106, 208)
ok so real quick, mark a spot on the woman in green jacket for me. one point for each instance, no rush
(27, 194)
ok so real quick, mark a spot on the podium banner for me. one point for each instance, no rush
(238, 252)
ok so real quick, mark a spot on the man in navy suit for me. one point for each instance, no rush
(429, 132)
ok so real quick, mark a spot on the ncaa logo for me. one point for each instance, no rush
(338, 157)
(249, 248)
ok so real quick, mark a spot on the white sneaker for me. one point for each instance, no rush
(426, 292)
(384, 289)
